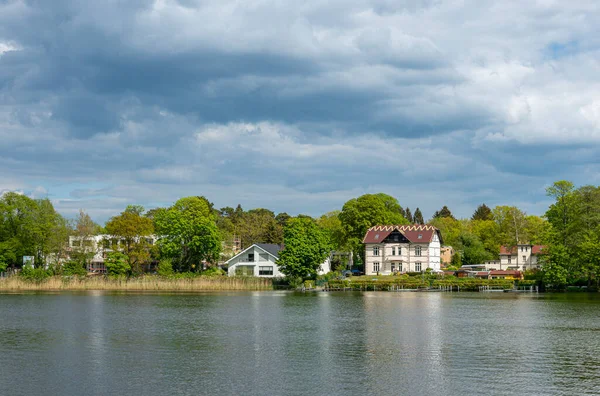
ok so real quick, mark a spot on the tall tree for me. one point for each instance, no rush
(306, 248)
(132, 229)
(418, 217)
(188, 233)
(483, 212)
(444, 212)
(408, 215)
(358, 214)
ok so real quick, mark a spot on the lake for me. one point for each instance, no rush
(284, 343)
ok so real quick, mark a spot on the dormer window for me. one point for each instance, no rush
(376, 237)
(420, 236)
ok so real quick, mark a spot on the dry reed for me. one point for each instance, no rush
(145, 283)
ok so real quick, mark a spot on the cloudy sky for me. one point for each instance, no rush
(298, 106)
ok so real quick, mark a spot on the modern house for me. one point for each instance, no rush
(402, 248)
(260, 260)
(96, 247)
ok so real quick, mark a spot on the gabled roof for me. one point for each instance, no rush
(269, 248)
(377, 234)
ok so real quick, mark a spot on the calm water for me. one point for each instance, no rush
(278, 343)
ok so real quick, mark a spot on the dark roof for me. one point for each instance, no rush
(271, 248)
(377, 234)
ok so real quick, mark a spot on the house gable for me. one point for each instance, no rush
(396, 237)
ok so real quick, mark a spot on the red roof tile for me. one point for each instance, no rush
(377, 234)
(535, 249)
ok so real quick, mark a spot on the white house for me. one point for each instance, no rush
(402, 248)
(260, 260)
(521, 257)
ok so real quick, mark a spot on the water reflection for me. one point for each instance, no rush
(299, 343)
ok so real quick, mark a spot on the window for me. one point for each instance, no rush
(393, 267)
(376, 266)
(524, 259)
(399, 251)
(393, 251)
(418, 251)
(509, 259)
(400, 267)
(420, 236)
(244, 270)
(75, 243)
(376, 251)
(265, 270)
(251, 257)
(418, 267)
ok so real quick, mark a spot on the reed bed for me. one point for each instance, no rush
(144, 283)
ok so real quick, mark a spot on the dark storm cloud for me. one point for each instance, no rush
(298, 105)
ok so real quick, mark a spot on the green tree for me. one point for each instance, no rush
(282, 218)
(359, 214)
(560, 213)
(483, 212)
(451, 230)
(418, 217)
(444, 212)
(488, 233)
(188, 233)
(473, 251)
(258, 226)
(165, 267)
(117, 264)
(332, 225)
(511, 223)
(306, 248)
(408, 215)
(555, 266)
(133, 229)
(84, 230)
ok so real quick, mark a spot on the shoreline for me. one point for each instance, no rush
(145, 283)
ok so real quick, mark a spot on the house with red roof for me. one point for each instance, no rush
(393, 249)
(521, 257)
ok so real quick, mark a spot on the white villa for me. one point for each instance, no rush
(522, 257)
(402, 248)
(260, 260)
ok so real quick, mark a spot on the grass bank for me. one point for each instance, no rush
(143, 283)
(417, 282)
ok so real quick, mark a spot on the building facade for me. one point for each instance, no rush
(521, 257)
(393, 249)
(96, 247)
(260, 260)
(446, 253)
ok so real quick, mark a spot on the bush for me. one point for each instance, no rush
(214, 271)
(165, 267)
(117, 264)
(37, 275)
(73, 267)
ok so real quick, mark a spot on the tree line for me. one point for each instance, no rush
(193, 232)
